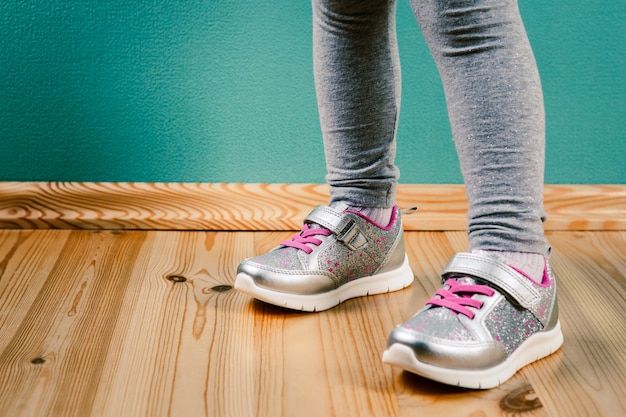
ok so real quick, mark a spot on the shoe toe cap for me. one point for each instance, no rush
(289, 281)
(447, 353)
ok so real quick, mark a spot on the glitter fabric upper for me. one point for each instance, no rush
(511, 326)
(440, 323)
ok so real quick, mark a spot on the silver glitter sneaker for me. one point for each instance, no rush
(337, 255)
(485, 323)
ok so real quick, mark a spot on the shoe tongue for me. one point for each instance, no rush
(466, 280)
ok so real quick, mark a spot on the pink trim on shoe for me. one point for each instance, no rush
(392, 220)
(545, 280)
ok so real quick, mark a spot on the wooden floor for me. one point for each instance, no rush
(146, 323)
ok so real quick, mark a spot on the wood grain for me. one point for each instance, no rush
(202, 206)
(146, 323)
(591, 368)
(54, 356)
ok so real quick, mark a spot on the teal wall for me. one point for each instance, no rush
(222, 91)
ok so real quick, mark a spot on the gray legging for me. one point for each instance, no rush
(494, 100)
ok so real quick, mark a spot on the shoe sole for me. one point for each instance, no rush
(537, 346)
(386, 282)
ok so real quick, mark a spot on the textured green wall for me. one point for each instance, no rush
(222, 91)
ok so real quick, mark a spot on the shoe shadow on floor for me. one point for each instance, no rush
(513, 397)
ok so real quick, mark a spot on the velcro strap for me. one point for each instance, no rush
(345, 228)
(497, 273)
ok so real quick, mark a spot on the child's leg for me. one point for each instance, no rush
(355, 247)
(497, 310)
(357, 78)
(496, 112)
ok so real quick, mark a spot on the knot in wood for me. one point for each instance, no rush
(520, 400)
(222, 288)
(176, 278)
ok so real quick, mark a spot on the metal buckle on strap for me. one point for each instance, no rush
(351, 236)
(345, 229)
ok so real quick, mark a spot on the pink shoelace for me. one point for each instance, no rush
(306, 237)
(458, 297)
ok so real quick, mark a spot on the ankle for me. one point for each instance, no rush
(379, 215)
(530, 264)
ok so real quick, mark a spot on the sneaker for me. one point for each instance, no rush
(485, 323)
(338, 254)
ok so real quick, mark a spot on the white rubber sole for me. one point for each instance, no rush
(534, 348)
(377, 284)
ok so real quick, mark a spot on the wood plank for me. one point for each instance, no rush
(28, 258)
(203, 206)
(51, 363)
(145, 323)
(184, 348)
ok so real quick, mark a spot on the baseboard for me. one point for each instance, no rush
(220, 206)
